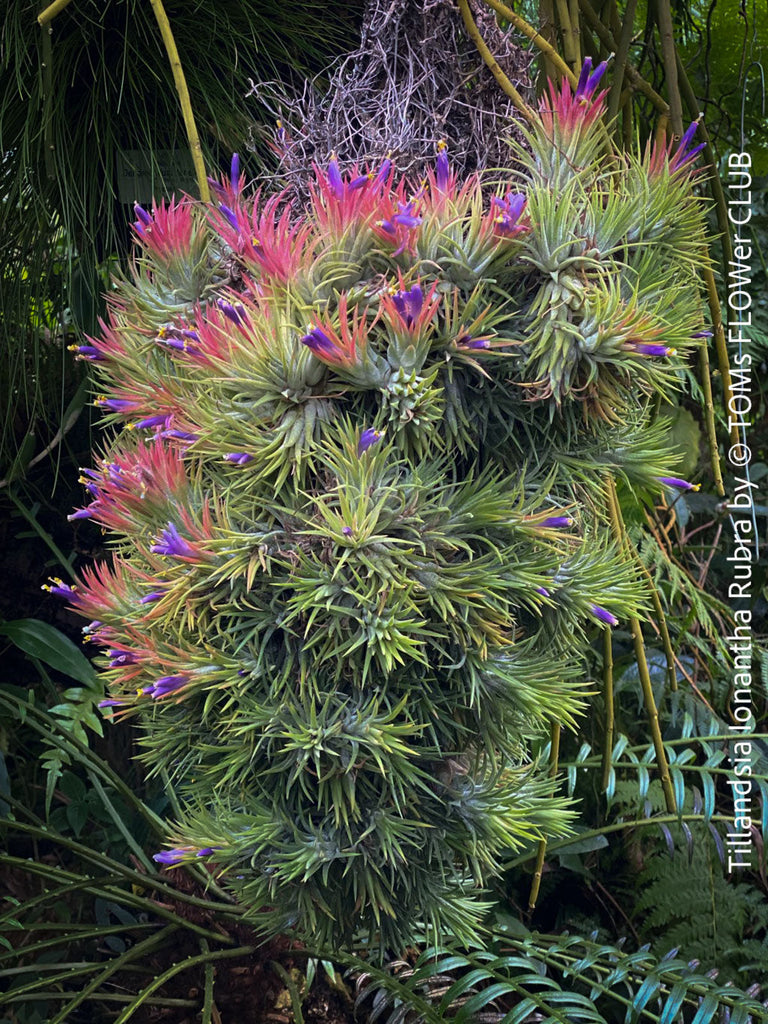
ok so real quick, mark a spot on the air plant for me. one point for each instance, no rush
(355, 502)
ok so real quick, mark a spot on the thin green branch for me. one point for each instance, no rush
(620, 533)
(183, 93)
(620, 61)
(538, 870)
(609, 708)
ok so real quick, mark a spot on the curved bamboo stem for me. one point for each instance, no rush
(183, 93)
(51, 11)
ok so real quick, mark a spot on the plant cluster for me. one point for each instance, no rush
(357, 507)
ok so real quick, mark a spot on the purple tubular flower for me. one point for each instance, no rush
(238, 458)
(367, 438)
(111, 703)
(180, 435)
(82, 513)
(166, 684)
(153, 595)
(236, 313)
(383, 172)
(335, 179)
(58, 587)
(230, 215)
(234, 169)
(405, 216)
(589, 79)
(317, 341)
(409, 304)
(151, 421)
(359, 182)
(557, 522)
(467, 341)
(170, 857)
(120, 658)
(442, 167)
(511, 208)
(675, 481)
(645, 348)
(543, 591)
(347, 531)
(604, 615)
(683, 155)
(173, 544)
(702, 334)
(86, 352)
(144, 217)
(115, 404)
(206, 851)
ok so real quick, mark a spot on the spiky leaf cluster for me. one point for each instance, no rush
(354, 562)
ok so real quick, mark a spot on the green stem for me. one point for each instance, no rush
(175, 969)
(619, 826)
(620, 62)
(541, 852)
(44, 536)
(609, 708)
(669, 58)
(620, 534)
(183, 93)
(51, 11)
(113, 967)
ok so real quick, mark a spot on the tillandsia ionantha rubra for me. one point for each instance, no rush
(358, 546)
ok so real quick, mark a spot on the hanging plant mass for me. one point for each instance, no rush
(357, 503)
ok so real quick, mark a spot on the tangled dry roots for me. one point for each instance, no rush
(415, 79)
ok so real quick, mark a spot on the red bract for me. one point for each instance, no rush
(168, 231)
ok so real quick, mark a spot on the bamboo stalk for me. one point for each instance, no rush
(547, 28)
(669, 58)
(491, 63)
(183, 93)
(541, 851)
(620, 533)
(608, 40)
(573, 14)
(566, 32)
(51, 11)
(620, 60)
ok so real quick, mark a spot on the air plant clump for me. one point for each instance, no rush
(356, 501)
